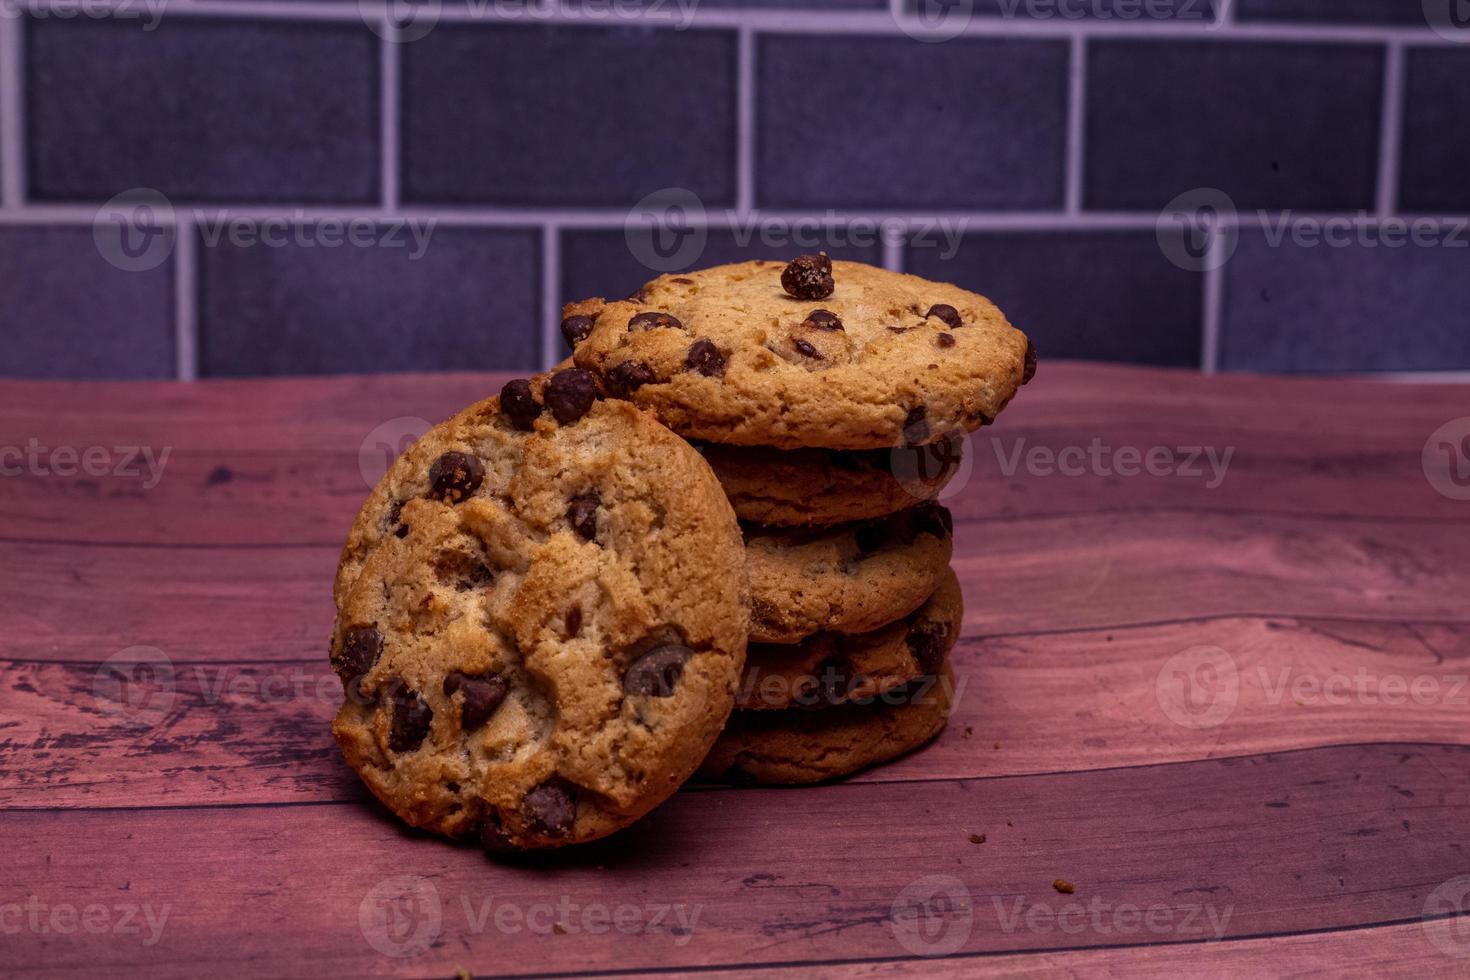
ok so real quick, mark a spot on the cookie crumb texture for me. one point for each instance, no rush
(853, 578)
(541, 620)
(801, 746)
(730, 355)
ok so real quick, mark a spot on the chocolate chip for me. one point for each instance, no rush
(482, 695)
(574, 621)
(926, 643)
(944, 339)
(931, 519)
(582, 514)
(657, 672)
(411, 717)
(518, 404)
(834, 680)
(361, 647)
(1030, 363)
(705, 358)
(550, 808)
(947, 313)
(638, 295)
(822, 320)
(916, 426)
(654, 321)
(570, 394)
(629, 376)
(682, 281)
(575, 329)
(395, 520)
(808, 277)
(454, 477)
(805, 348)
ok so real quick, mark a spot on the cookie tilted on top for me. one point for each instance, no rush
(834, 355)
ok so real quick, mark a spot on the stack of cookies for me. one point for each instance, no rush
(553, 610)
(830, 399)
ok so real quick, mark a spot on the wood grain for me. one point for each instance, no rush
(1319, 839)
(281, 462)
(259, 733)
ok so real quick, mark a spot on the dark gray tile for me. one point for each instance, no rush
(1104, 295)
(1368, 307)
(65, 312)
(1274, 125)
(204, 110)
(597, 262)
(937, 12)
(1434, 171)
(853, 121)
(469, 302)
(1395, 12)
(567, 115)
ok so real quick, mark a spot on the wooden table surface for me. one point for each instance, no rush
(1232, 713)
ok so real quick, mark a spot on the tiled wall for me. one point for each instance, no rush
(331, 191)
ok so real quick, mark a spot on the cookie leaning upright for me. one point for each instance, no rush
(835, 355)
(542, 619)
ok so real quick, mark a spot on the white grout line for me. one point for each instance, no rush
(550, 295)
(801, 22)
(1224, 13)
(745, 122)
(1214, 303)
(388, 68)
(1076, 118)
(1391, 126)
(186, 301)
(12, 120)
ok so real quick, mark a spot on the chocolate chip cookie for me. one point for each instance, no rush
(833, 668)
(801, 487)
(801, 746)
(848, 579)
(542, 619)
(813, 353)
